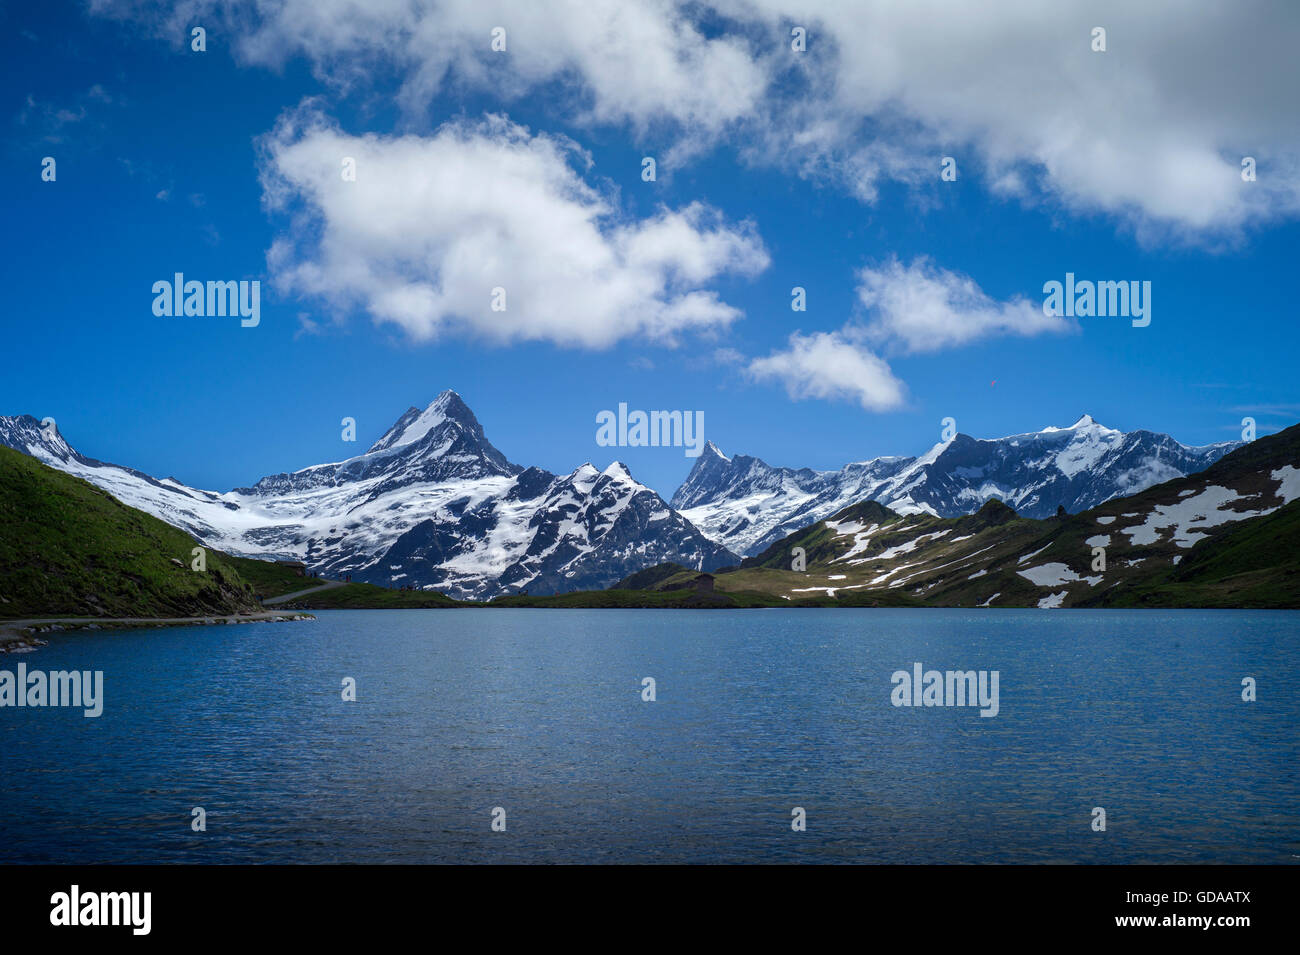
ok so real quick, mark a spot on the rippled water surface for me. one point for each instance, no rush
(540, 712)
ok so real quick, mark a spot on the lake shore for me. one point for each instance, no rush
(21, 636)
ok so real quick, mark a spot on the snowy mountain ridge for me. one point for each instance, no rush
(431, 504)
(746, 504)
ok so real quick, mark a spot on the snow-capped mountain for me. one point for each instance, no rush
(1222, 537)
(431, 504)
(745, 504)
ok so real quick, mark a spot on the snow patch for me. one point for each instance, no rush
(1054, 575)
(1190, 517)
(1033, 555)
(1288, 478)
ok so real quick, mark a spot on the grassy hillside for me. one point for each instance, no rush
(70, 549)
(651, 577)
(1254, 565)
(1222, 538)
(269, 579)
(690, 600)
(371, 597)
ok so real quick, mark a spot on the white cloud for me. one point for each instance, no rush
(914, 308)
(825, 365)
(433, 224)
(633, 61)
(1151, 132)
(923, 308)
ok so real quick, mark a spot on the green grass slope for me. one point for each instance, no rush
(1239, 546)
(70, 549)
(269, 579)
(371, 597)
(651, 577)
(691, 600)
(1254, 565)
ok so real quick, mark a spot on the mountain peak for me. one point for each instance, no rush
(448, 399)
(1085, 421)
(618, 471)
(711, 448)
(415, 424)
(451, 407)
(747, 506)
(32, 436)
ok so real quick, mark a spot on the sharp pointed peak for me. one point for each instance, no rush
(449, 404)
(446, 398)
(415, 423)
(710, 447)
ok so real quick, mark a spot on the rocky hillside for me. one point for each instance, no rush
(1228, 536)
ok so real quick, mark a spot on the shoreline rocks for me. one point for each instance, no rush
(21, 636)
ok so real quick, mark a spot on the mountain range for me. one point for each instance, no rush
(748, 504)
(1223, 537)
(433, 504)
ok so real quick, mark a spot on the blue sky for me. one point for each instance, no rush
(166, 158)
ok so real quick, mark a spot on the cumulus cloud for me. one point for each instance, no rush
(923, 308)
(432, 225)
(826, 365)
(908, 309)
(1151, 132)
(622, 61)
